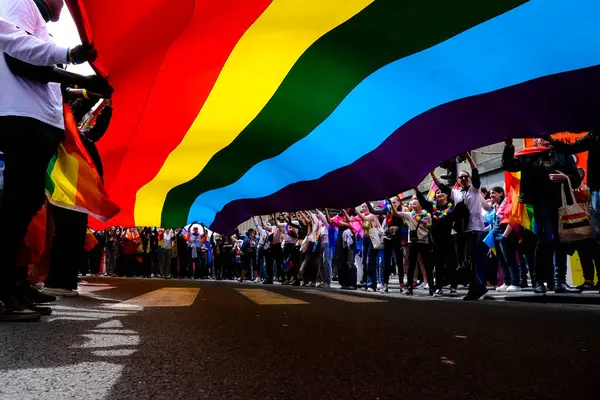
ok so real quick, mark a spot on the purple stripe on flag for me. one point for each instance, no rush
(563, 102)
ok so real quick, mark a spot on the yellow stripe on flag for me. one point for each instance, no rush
(255, 69)
(264, 297)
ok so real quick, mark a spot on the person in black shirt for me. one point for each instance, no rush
(444, 252)
(542, 175)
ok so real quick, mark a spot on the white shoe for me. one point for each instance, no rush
(426, 286)
(310, 284)
(60, 292)
(513, 288)
(502, 288)
(379, 286)
(370, 290)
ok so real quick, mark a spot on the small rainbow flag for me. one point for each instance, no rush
(72, 180)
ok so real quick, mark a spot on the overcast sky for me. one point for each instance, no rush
(64, 32)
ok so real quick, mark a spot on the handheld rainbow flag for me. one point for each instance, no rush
(72, 180)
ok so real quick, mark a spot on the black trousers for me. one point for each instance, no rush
(393, 244)
(424, 250)
(290, 251)
(28, 146)
(276, 257)
(173, 262)
(248, 261)
(444, 262)
(589, 253)
(218, 266)
(346, 269)
(227, 265)
(201, 270)
(67, 256)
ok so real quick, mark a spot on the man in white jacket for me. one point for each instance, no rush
(31, 127)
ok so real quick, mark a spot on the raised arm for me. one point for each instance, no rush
(395, 211)
(509, 161)
(579, 146)
(426, 204)
(475, 178)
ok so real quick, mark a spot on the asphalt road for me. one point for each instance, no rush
(161, 339)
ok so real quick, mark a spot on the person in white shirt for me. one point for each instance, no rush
(470, 194)
(275, 254)
(167, 252)
(31, 127)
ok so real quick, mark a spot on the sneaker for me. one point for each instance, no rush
(310, 284)
(587, 285)
(370, 290)
(325, 286)
(409, 291)
(513, 288)
(453, 292)
(421, 286)
(59, 292)
(438, 293)
(426, 286)
(379, 286)
(502, 288)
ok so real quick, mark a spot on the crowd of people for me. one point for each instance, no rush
(460, 235)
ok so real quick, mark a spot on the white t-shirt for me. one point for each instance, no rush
(473, 200)
(421, 228)
(22, 97)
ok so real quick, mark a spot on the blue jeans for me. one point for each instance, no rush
(380, 266)
(507, 255)
(326, 262)
(595, 213)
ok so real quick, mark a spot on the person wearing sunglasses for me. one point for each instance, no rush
(469, 194)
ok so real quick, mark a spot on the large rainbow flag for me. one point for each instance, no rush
(225, 109)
